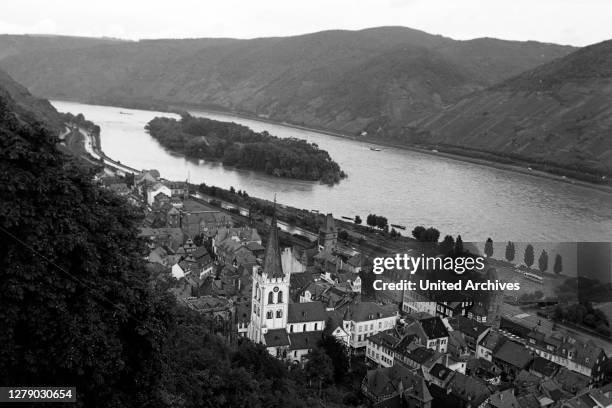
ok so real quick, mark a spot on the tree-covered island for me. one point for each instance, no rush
(237, 145)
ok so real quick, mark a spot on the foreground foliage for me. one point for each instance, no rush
(77, 308)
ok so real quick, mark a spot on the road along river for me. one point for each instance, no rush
(409, 188)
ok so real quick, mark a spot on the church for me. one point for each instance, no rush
(288, 330)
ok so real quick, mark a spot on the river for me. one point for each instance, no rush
(409, 188)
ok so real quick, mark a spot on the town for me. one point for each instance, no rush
(419, 350)
(358, 204)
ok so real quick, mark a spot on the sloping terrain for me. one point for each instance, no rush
(21, 44)
(559, 113)
(26, 106)
(342, 80)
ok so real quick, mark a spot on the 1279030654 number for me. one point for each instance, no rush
(37, 394)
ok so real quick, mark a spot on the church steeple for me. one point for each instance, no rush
(272, 264)
(270, 295)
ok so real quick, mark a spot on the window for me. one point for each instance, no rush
(279, 313)
(318, 323)
(280, 297)
(291, 328)
(304, 328)
(268, 315)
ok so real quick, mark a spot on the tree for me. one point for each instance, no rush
(76, 305)
(528, 256)
(336, 352)
(458, 246)
(510, 251)
(319, 368)
(447, 245)
(357, 220)
(558, 266)
(371, 220)
(543, 261)
(431, 235)
(418, 232)
(488, 249)
(381, 222)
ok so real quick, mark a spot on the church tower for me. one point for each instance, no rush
(328, 235)
(270, 295)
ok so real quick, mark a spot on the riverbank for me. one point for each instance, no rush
(454, 153)
(494, 161)
(240, 146)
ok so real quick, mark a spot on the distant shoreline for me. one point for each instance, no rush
(516, 168)
(466, 158)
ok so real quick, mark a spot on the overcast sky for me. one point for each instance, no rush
(575, 22)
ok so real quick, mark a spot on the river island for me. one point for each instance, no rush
(239, 146)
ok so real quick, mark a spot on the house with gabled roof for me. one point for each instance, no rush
(364, 319)
(411, 354)
(512, 357)
(572, 381)
(461, 391)
(356, 263)
(489, 344)
(472, 330)
(156, 189)
(485, 370)
(544, 368)
(504, 399)
(433, 333)
(396, 386)
(439, 375)
(589, 399)
(380, 347)
(584, 357)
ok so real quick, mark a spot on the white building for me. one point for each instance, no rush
(155, 190)
(288, 330)
(364, 319)
(414, 302)
(380, 348)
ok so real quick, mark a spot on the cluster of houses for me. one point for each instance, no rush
(421, 352)
(440, 354)
(297, 294)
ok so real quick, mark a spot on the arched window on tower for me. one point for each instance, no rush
(280, 297)
(270, 296)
